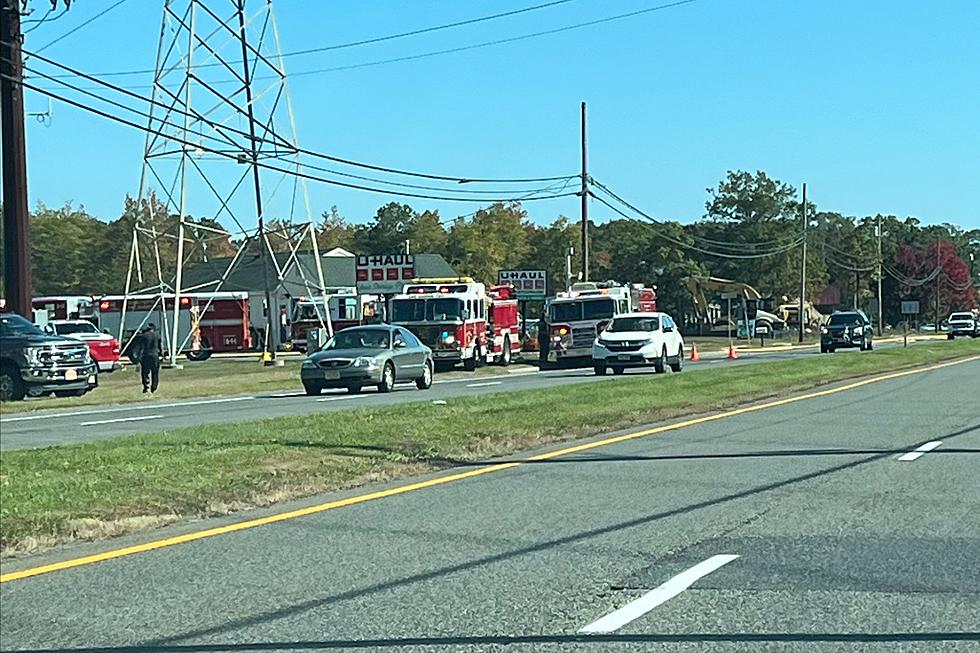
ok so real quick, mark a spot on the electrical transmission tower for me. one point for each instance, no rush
(220, 146)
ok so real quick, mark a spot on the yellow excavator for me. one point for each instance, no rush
(748, 304)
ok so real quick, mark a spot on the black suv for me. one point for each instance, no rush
(846, 329)
(35, 363)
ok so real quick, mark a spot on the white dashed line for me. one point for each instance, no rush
(342, 397)
(104, 411)
(121, 419)
(483, 385)
(924, 449)
(632, 611)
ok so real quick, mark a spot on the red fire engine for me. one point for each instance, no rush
(460, 320)
(347, 309)
(206, 322)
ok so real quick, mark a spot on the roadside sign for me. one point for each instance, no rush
(730, 295)
(530, 284)
(910, 308)
(384, 274)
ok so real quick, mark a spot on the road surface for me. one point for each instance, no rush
(830, 523)
(55, 427)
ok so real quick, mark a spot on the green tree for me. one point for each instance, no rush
(495, 239)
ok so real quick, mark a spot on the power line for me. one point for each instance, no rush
(314, 154)
(272, 168)
(78, 27)
(425, 55)
(42, 20)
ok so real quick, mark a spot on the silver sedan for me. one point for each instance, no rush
(379, 355)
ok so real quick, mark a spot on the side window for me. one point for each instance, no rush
(399, 339)
(410, 339)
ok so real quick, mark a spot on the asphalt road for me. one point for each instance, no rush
(804, 526)
(55, 427)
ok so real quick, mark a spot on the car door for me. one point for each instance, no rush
(408, 353)
(671, 336)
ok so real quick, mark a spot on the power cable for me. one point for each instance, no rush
(42, 20)
(266, 166)
(78, 27)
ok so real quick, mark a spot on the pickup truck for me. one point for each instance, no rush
(34, 363)
(963, 324)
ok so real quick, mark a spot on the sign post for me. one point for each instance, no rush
(909, 308)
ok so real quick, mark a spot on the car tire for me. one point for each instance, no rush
(824, 349)
(11, 386)
(506, 354)
(424, 382)
(950, 336)
(354, 388)
(660, 365)
(312, 389)
(599, 369)
(871, 344)
(70, 393)
(679, 365)
(618, 370)
(387, 378)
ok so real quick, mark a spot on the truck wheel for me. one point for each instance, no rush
(387, 378)
(505, 354)
(11, 385)
(470, 363)
(69, 393)
(199, 355)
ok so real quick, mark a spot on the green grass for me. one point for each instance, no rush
(98, 489)
(210, 378)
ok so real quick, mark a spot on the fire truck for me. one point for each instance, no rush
(460, 320)
(577, 316)
(206, 322)
(347, 309)
(67, 307)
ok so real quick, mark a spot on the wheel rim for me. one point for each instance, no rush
(6, 386)
(389, 377)
(427, 374)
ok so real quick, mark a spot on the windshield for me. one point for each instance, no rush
(432, 310)
(74, 327)
(359, 339)
(961, 316)
(587, 309)
(14, 325)
(308, 312)
(846, 319)
(623, 324)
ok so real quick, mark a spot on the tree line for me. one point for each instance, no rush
(750, 232)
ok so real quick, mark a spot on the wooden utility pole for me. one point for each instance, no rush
(800, 316)
(585, 204)
(16, 242)
(880, 316)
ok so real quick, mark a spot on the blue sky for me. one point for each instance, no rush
(874, 103)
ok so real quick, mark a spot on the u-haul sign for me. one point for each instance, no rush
(384, 273)
(530, 284)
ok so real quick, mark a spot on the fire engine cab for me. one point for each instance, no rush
(206, 322)
(577, 316)
(347, 309)
(66, 307)
(460, 320)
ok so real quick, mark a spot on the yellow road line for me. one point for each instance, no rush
(450, 478)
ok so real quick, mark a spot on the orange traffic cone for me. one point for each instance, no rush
(732, 355)
(695, 356)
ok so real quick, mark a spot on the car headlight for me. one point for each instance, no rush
(33, 355)
(308, 364)
(365, 361)
(824, 329)
(447, 338)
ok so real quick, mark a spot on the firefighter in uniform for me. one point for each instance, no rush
(151, 351)
(544, 338)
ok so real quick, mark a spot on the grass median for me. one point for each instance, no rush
(110, 487)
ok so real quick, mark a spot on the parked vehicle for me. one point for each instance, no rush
(576, 317)
(103, 348)
(347, 309)
(963, 324)
(639, 340)
(460, 320)
(379, 355)
(36, 363)
(66, 307)
(847, 329)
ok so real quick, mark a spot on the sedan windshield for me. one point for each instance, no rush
(359, 339)
(74, 327)
(622, 324)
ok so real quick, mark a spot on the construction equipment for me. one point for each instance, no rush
(753, 309)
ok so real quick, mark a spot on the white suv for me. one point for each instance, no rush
(638, 340)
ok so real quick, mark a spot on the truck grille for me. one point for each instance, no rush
(334, 363)
(583, 336)
(64, 356)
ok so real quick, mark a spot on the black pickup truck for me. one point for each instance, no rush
(35, 363)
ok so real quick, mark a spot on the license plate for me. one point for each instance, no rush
(331, 375)
(71, 375)
(624, 357)
(92, 379)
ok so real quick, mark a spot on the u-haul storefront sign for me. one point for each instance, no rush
(384, 274)
(530, 284)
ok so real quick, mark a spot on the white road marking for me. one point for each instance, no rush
(343, 397)
(926, 448)
(121, 419)
(483, 385)
(631, 611)
(121, 409)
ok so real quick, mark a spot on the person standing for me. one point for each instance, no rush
(151, 351)
(544, 339)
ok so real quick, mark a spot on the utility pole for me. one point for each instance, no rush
(880, 316)
(271, 308)
(585, 204)
(939, 276)
(569, 253)
(16, 248)
(800, 315)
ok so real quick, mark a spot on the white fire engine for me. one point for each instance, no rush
(206, 322)
(460, 320)
(66, 307)
(577, 316)
(347, 309)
